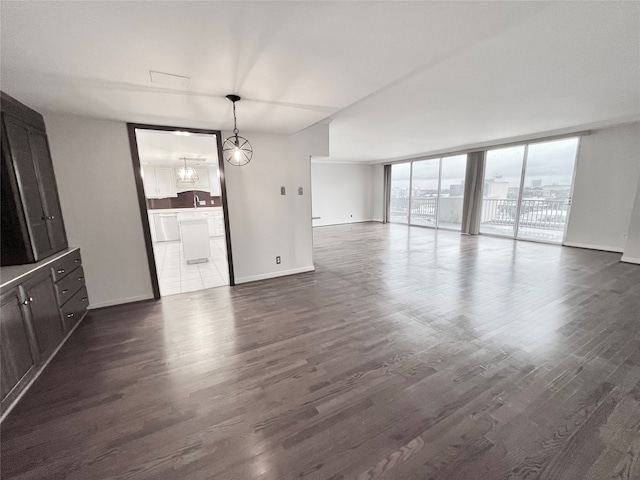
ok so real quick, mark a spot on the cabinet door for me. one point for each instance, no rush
(21, 155)
(45, 315)
(166, 182)
(149, 182)
(48, 189)
(16, 357)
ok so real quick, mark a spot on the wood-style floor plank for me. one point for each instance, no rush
(409, 354)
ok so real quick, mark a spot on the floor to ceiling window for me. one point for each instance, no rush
(400, 192)
(451, 195)
(546, 190)
(527, 190)
(424, 195)
(503, 174)
(429, 193)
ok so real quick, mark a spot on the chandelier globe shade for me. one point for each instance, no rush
(236, 149)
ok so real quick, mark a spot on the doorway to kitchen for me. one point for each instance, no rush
(182, 196)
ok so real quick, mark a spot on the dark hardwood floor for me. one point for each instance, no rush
(408, 354)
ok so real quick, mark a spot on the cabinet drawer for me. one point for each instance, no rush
(66, 266)
(69, 285)
(74, 308)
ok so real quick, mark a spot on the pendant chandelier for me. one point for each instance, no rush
(187, 174)
(236, 149)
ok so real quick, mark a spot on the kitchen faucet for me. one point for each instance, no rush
(196, 200)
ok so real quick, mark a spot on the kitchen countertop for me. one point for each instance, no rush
(10, 276)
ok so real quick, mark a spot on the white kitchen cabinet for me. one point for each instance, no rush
(159, 182)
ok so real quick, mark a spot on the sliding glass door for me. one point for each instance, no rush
(429, 193)
(451, 196)
(546, 190)
(400, 190)
(424, 196)
(527, 190)
(501, 191)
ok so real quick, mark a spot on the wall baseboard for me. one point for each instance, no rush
(120, 301)
(628, 259)
(283, 273)
(344, 223)
(604, 248)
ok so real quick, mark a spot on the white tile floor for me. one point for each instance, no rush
(175, 275)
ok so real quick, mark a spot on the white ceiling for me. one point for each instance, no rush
(396, 79)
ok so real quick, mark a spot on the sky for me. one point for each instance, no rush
(552, 162)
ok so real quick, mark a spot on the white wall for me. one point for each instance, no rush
(97, 189)
(92, 162)
(605, 187)
(632, 245)
(265, 224)
(345, 193)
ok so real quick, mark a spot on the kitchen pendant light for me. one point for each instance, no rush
(187, 174)
(236, 149)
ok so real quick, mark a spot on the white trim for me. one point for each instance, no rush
(593, 247)
(345, 223)
(40, 370)
(284, 273)
(627, 259)
(120, 301)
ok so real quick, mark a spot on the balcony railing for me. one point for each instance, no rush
(544, 214)
(547, 214)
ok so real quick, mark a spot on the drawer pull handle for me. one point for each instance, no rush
(26, 302)
(77, 260)
(84, 299)
(30, 299)
(61, 270)
(65, 291)
(80, 279)
(70, 315)
(52, 217)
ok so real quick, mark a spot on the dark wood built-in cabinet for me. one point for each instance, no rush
(32, 226)
(42, 292)
(17, 356)
(41, 305)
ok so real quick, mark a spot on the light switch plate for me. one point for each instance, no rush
(283, 191)
(203, 202)
(300, 191)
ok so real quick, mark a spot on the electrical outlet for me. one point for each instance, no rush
(283, 191)
(278, 260)
(203, 202)
(300, 191)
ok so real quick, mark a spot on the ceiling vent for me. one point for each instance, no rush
(169, 80)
